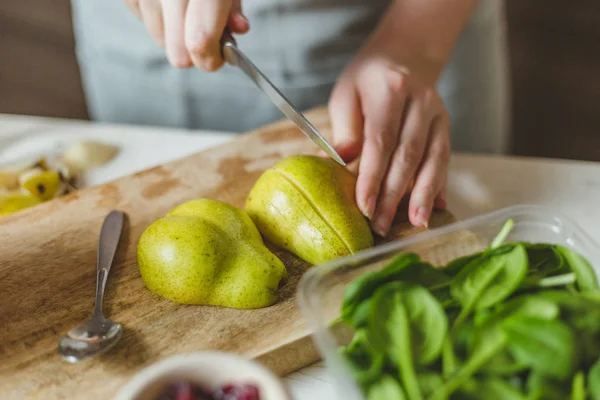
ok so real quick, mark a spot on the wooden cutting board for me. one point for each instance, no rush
(47, 276)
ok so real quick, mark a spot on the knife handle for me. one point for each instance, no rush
(228, 47)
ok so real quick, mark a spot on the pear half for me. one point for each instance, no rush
(306, 205)
(209, 252)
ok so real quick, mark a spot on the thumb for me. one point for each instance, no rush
(346, 120)
(238, 23)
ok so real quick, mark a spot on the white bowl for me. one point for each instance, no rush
(210, 369)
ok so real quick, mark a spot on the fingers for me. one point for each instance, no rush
(174, 23)
(346, 119)
(404, 163)
(441, 202)
(204, 26)
(134, 7)
(432, 175)
(151, 14)
(383, 96)
(237, 22)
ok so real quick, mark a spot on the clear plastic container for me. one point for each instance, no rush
(322, 287)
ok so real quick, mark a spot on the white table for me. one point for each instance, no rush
(477, 184)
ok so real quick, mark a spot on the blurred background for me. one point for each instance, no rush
(554, 62)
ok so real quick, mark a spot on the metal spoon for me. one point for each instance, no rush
(99, 333)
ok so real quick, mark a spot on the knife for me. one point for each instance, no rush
(233, 56)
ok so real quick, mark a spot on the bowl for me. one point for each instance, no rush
(321, 289)
(211, 369)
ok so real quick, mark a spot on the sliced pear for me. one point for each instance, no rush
(306, 205)
(87, 154)
(44, 185)
(9, 180)
(14, 202)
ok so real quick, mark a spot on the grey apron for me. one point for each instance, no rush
(302, 45)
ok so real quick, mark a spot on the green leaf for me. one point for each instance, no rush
(386, 388)
(494, 343)
(489, 279)
(545, 260)
(427, 321)
(366, 364)
(429, 382)
(546, 346)
(540, 387)
(578, 388)
(594, 381)
(492, 389)
(403, 267)
(408, 324)
(586, 276)
(360, 316)
(456, 265)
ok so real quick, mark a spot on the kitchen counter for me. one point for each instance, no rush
(477, 183)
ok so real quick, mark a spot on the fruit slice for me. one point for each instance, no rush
(88, 154)
(9, 180)
(15, 202)
(306, 205)
(44, 185)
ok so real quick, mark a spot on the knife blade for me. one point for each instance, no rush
(234, 56)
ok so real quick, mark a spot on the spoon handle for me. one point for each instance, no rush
(107, 247)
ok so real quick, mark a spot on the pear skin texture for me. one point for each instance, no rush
(306, 205)
(210, 253)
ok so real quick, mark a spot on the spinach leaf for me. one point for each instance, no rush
(392, 335)
(407, 323)
(427, 320)
(386, 388)
(494, 343)
(449, 359)
(456, 265)
(528, 305)
(492, 389)
(545, 259)
(594, 381)
(429, 382)
(578, 388)
(359, 317)
(489, 279)
(363, 360)
(364, 286)
(540, 387)
(586, 276)
(546, 346)
(404, 267)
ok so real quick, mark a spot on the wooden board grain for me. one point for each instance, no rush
(47, 276)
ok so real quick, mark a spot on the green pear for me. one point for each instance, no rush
(209, 252)
(306, 204)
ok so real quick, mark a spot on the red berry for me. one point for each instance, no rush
(243, 392)
(184, 391)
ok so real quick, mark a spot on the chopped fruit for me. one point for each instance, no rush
(44, 185)
(16, 201)
(188, 391)
(9, 180)
(87, 154)
(232, 392)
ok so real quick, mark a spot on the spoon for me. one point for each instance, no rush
(99, 333)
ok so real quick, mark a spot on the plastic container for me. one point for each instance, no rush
(322, 287)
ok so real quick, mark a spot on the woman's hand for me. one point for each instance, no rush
(400, 128)
(191, 30)
(385, 109)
